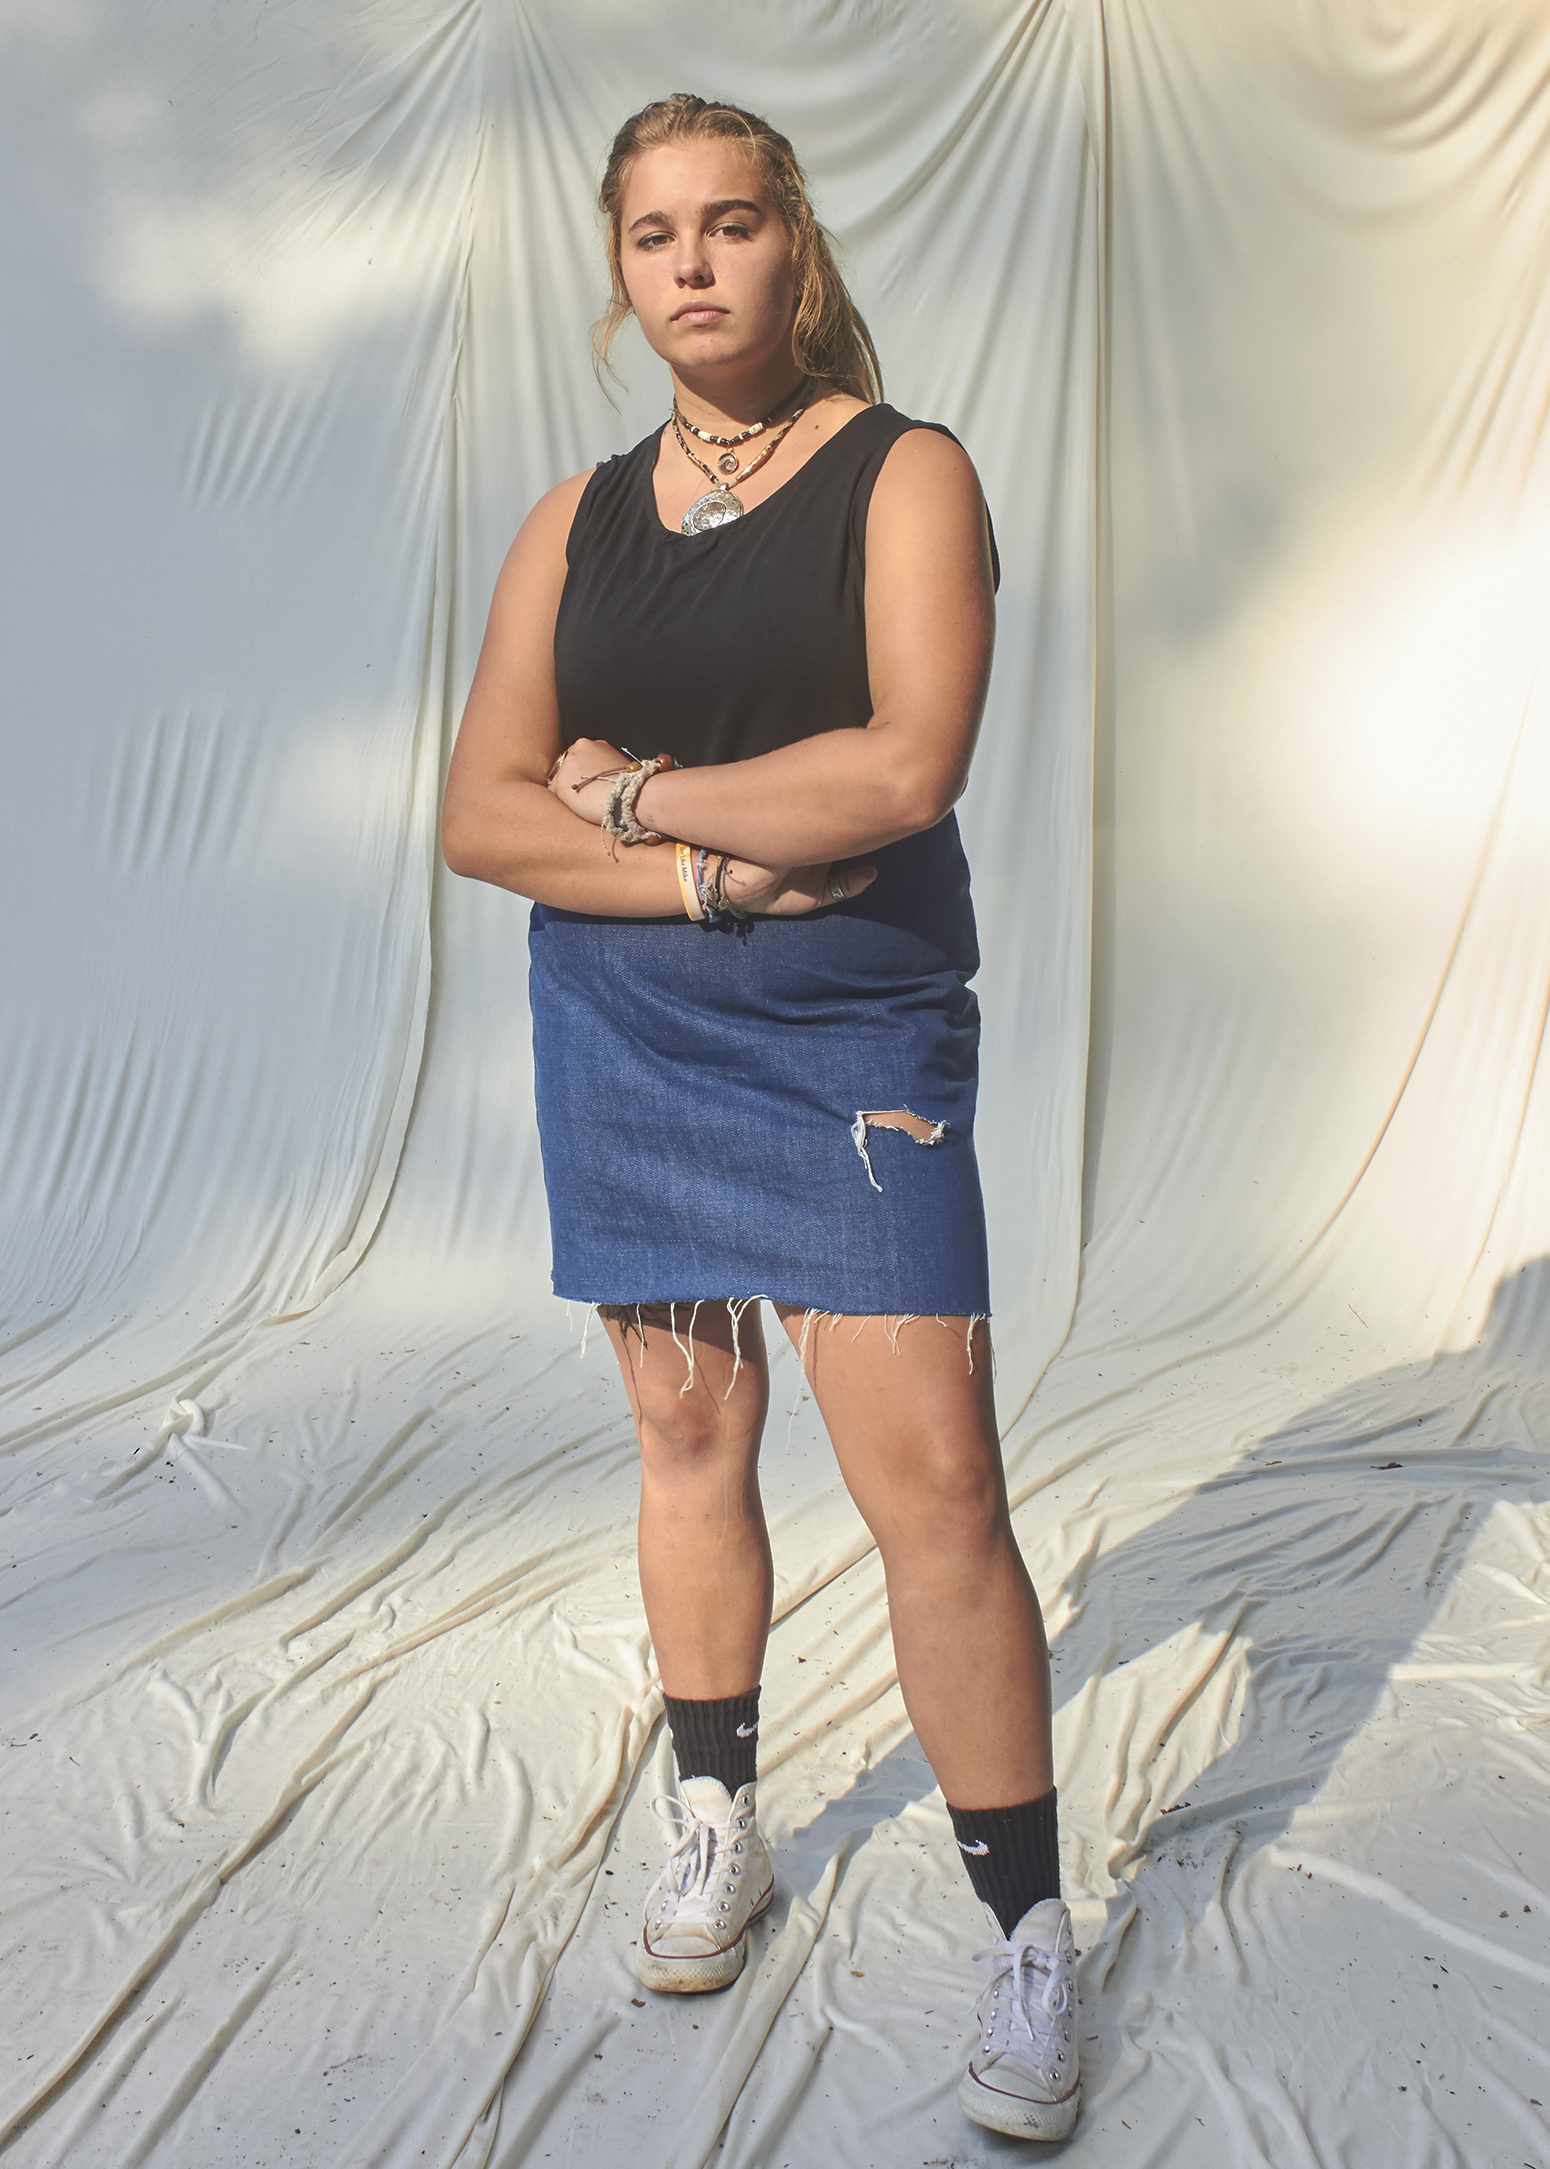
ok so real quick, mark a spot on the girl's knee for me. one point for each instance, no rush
(681, 1438)
(946, 1501)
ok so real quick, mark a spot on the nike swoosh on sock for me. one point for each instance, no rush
(746, 1732)
(981, 1847)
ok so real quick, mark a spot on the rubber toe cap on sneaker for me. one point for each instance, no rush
(1020, 2116)
(686, 1943)
(1005, 2075)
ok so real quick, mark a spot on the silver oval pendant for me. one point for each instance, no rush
(728, 463)
(715, 509)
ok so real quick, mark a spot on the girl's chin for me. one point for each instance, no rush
(708, 353)
(711, 347)
(691, 348)
(691, 338)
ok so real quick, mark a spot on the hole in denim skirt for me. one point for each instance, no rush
(892, 1118)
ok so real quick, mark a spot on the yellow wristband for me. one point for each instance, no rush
(684, 859)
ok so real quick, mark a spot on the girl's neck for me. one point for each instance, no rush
(714, 404)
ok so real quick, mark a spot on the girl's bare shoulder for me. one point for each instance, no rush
(539, 550)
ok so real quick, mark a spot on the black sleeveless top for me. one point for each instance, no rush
(719, 646)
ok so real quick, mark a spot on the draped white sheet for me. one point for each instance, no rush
(329, 1759)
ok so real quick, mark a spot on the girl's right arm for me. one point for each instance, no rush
(499, 823)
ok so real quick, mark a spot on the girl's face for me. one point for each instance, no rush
(706, 259)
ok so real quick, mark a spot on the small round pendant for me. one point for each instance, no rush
(715, 509)
(728, 463)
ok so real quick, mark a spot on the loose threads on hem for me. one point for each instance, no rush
(892, 1322)
(736, 1305)
(686, 1353)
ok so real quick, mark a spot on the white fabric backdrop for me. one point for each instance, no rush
(318, 1796)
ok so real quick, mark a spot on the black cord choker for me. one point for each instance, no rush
(744, 436)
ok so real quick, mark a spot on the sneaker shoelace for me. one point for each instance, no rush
(693, 1882)
(1026, 2022)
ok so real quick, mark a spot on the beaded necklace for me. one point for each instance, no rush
(721, 503)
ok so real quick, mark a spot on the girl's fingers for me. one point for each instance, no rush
(584, 758)
(843, 882)
(811, 888)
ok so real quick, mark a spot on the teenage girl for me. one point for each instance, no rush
(725, 705)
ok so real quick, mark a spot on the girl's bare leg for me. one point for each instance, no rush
(914, 1431)
(704, 1551)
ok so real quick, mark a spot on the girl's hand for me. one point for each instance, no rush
(583, 775)
(785, 892)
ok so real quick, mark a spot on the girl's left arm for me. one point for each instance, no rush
(930, 626)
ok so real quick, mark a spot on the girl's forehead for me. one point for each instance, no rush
(697, 171)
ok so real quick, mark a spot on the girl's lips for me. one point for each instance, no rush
(699, 316)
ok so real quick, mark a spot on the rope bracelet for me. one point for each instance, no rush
(704, 893)
(619, 823)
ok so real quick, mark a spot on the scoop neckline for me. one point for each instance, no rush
(676, 534)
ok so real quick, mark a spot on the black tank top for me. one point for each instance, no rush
(720, 646)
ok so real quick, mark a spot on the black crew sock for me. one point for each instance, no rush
(1012, 1855)
(716, 1739)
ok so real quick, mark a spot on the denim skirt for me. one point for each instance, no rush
(703, 1095)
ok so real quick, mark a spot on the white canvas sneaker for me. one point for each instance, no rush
(1024, 2076)
(718, 1878)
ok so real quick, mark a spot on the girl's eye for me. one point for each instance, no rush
(650, 240)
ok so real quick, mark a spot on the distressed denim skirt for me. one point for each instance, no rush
(707, 1100)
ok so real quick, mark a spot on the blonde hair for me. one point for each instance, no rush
(829, 338)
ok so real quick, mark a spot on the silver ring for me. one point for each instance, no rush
(837, 891)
